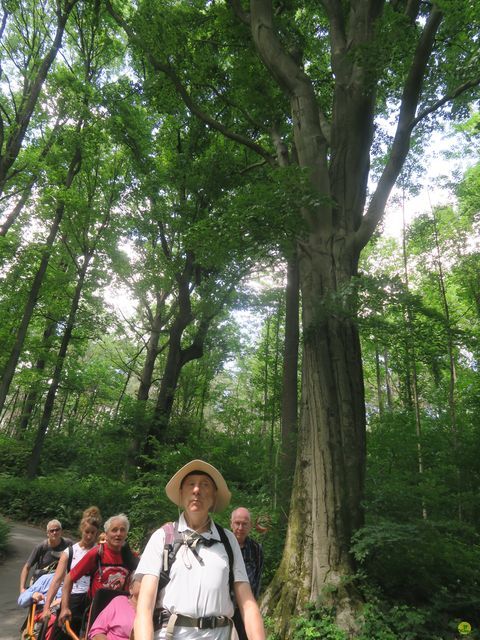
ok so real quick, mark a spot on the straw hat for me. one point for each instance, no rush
(172, 488)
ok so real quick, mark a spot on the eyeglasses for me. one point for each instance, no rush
(54, 530)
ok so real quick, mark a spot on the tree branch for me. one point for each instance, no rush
(194, 108)
(406, 122)
(237, 9)
(462, 88)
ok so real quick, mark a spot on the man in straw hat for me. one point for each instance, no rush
(196, 603)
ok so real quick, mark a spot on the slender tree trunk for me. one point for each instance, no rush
(23, 116)
(289, 409)
(146, 380)
(177, 358)
(452, 382)
(156, 326)
(122, 395)
(11, 363)
(89, 404)
(266, 356)
(378, 376)
(62, 410)
(33, 394)
(171, 375)
(289, 402)
(10, 409)
(273, 453)
(412, 362)
(9, 369)
(73, 414)
(16, 211)
(388, 381)
(275, 376)
(52, 391)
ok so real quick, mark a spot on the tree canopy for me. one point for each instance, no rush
(177, 151)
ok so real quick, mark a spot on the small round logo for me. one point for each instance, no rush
(464, 628)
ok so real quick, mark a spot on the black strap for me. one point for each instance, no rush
(70, 558)
(229, 550)
(130, 560)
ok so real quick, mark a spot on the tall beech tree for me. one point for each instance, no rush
(337, 65)
(31, 34)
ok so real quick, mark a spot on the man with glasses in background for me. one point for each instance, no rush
(252, 552)
(45, 556)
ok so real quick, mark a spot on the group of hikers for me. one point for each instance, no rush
(194, 579)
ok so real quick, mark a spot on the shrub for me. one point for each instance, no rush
(14, 455)
(4, 536)
(425, 573)
(63, 496)
(317, 623)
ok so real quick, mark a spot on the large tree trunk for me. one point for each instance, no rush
(328, 485)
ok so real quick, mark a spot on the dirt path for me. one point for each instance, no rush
(23, 538)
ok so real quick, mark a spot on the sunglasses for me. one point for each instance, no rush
(54, 530)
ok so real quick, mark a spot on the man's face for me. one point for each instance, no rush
(54, 534)
(116, 535)
(241, 524)
(198, 493)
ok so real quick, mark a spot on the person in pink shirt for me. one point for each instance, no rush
(115, 622)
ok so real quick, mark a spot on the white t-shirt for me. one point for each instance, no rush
(82, 585)
(195, 590)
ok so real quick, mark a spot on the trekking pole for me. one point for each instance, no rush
(30, 622)
(70, 631)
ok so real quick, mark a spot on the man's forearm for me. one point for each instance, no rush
(23, 577)
(253, 622)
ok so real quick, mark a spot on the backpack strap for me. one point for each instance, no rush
(70, 558)
(173, 542)
(130, 560)
(100, 550)
(229, 550)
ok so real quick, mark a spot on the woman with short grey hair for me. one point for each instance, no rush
(120, 516)
(110, 564)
